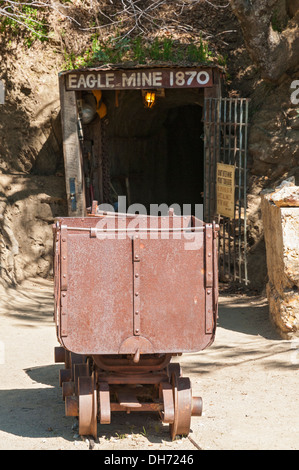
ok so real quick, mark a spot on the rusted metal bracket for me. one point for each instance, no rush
(209, 277)
(73, 198)
(63, 315)
(215, 267)
(63, 254)
(209, 255)
(136, 285)
(64, 280)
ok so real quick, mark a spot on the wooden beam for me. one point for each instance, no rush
(212, 148)
(74, 177)
(215, 90)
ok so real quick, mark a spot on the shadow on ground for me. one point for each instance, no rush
(39, 413)
(30, 305)
(246, 315)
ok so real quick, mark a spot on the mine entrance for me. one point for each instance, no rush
(155, 155)
(152, 153)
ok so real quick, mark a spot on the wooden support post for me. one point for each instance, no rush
(212, 146)
(93, 138)
(74, 177)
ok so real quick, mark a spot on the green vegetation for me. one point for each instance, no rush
(138, 50)
(29, 23)
(277, 22)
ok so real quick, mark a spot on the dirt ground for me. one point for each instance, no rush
(248, 380)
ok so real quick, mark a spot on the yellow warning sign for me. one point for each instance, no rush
(225, 184)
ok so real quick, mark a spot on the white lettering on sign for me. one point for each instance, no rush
(203, 78)
(187, 78)
(139, 79)
(157, 79)
(2, 92)
(128, 81)
(110, 80)
(295, 94)
(91, 81)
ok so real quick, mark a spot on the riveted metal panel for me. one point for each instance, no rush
(140, 290)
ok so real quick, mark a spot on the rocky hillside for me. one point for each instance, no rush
(74, 34)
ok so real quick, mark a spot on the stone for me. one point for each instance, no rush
(287, 196)
(281, 232)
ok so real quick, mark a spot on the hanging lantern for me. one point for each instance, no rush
(149, 99)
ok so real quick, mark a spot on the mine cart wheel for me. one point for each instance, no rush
(182, 397)
(104, 403)
(166, 397)
(87, 406)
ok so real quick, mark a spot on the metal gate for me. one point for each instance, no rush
(225, 144)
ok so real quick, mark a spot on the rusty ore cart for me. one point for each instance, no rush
(128, 298)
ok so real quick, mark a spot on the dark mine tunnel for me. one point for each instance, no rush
(155, 155)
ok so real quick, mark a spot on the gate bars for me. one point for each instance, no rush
(225, 141)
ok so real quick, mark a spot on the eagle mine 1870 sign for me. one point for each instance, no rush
(139, 79)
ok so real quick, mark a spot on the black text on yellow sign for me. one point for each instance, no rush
(225, 184)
